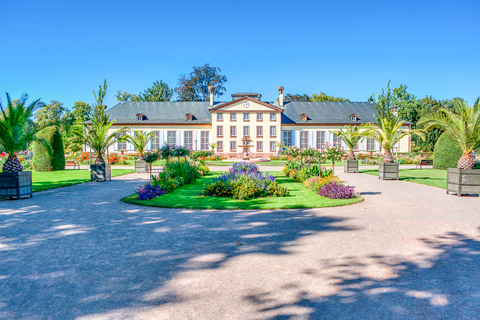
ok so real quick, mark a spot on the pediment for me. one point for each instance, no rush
(246, 104)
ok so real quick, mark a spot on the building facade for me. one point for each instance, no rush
(246, 119)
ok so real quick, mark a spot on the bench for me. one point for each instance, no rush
(424, 163)
(72, 163)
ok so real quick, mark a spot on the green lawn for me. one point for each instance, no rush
(132, 163)
(57, 179)
(187, 197)
(430, 177)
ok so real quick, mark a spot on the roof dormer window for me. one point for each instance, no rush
(303, 117)
(141, 117)
(189, 116)
(353, 117)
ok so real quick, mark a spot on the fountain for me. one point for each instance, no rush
(246, 140)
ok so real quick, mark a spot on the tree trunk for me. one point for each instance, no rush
(12, 164)
(466, 161)
(351, 155)
(99, 160)
(387, 156)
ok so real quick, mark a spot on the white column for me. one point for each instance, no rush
(311, 138)
(297, 138)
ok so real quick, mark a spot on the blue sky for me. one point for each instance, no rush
(63, 49)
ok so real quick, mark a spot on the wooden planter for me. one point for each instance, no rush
(350, 166)
(16, 184)
(101, 172)
(141, 166)
(388, 171)
(463, 181)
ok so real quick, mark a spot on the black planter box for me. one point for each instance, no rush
(100, 172)
(16, 184)
(388, 171)
(350, 166)
(463, 181)
(141, 166)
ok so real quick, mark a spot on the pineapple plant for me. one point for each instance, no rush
(463, 123)
(17, 129)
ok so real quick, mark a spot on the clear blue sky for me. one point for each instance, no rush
(63, 49)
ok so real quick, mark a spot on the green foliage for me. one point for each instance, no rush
(315, 183)
(48, 155)
(447, 152)
(296, 97)
(82, 111)
(175, 175)
(323, 97)
(150, 157)
(195, 86)
(50, 114)
(351, 136)
(16, 129)
(140, 140)
(195, 155)
(159, 91)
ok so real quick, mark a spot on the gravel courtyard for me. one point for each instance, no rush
(408, 251)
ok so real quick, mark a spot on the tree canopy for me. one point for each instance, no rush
(159, 91)
(194, 87)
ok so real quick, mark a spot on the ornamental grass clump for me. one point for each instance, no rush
(244, 181)
(336, 190)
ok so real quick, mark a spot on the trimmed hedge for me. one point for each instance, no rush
(42, 159)
(446, 152)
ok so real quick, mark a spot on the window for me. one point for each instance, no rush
(204, 140)
(246, 117)
(371, 144)
(272, 116)
(233, 131)
(259, 131)
(320, 139)
(219, 116)
(171, 138)
(140, 117)
(189, 116)
(259, 117)
(287, 138)
(337, 141)
(233, 117)
(353, 117)
(155, 140)
(233, 146)
(272, 146)
(303, 117)
(259, 146)
(121, 145)
(219, 145)
(219, 131)
(304, 139)
(273, 131)
(246, 131)
(188, 140)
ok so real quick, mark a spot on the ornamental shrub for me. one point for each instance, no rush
(149, 191)
(335, 190)
(446, 152)
(53, 158)
(315, 183)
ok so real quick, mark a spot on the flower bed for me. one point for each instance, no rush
(244, 181)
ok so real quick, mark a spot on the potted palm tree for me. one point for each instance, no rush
(95, 134)
(463, 123)
(388, 132)
(140, 140)
(16, 132)
(351, 136)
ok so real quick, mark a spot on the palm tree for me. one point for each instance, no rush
(140, 140)
(388, 132)
(463, 123)
(351, 136)
(95, 133)
(16, 129)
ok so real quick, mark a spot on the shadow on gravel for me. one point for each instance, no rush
(445, 286)
(64, 262)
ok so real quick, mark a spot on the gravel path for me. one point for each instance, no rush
(408, 251)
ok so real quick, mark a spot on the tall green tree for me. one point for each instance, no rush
(323, 97)
(194, 87)
(296, 97)
(463, 123)
(159, 91)
(82, 111)
(50, 113)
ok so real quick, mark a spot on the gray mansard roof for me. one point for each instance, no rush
(328, 112)
(161, 112)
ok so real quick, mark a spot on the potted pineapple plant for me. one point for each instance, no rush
(95, 134)
(463, 124)
(16, 132)
(140, 140)
(351, 136)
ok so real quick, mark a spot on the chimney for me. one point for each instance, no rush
(210, 89)
(280, 96)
